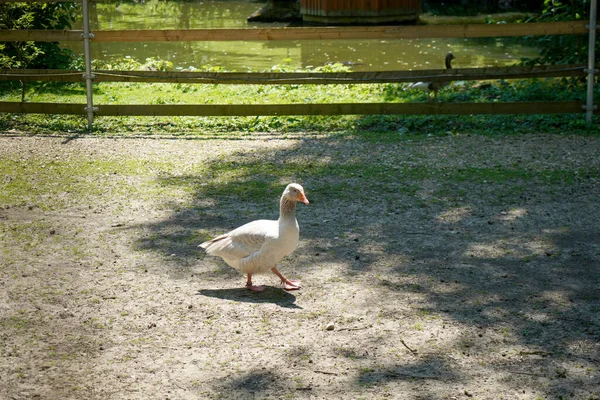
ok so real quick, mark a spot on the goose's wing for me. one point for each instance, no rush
(425, 86)
(242, 241)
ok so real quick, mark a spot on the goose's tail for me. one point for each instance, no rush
(419, 85)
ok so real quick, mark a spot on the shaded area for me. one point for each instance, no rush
(433, 369)
(254, 383)
(490, 242)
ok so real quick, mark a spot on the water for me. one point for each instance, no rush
(361, 55)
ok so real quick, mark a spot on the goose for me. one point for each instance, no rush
(258, 246)
(435, 86)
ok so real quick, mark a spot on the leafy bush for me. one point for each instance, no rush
(35, 16)
(553, 47)
(473, 7)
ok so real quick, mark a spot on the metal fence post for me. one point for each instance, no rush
(591, 70)
(88, 76)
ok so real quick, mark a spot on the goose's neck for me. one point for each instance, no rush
(287, 208)
(448, 63)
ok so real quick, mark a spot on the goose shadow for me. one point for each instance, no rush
(271, 295)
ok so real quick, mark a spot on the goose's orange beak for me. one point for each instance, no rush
(303, 198)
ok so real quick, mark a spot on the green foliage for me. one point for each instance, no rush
(191, 93)
(380, 127)
(472, 7)
(553, 47)
(35, 16)
(130, 64)
(451, 8)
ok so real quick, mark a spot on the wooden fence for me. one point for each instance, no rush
(300, 33)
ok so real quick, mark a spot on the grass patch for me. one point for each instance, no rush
(405, 126)
(51, 184)
(260, 181)
(54, 184)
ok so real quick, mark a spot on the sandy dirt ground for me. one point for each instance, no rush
(459, 267)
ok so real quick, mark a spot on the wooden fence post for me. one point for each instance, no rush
(89, 77)
(591, 70)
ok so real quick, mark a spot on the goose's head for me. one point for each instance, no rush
(294, 192)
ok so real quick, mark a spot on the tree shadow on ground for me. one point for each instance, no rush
(546, 307)
(429, 369)
(525, 281)
(253, 383)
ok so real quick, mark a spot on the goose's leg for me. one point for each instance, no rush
(287, 284)
(250, 286)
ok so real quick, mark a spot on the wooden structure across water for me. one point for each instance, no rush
(348, 12)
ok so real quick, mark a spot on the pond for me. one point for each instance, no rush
(361, 55)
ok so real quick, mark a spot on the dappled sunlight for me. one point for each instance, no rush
(427, 280)
(515, 248)
(487, 251)
(538, 316)
(557, 300)
(450, 288)
(454, 215)
(512, 214)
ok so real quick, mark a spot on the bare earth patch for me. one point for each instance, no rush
(463, 267)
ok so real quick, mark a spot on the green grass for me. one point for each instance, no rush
(59, 183)
(405, 126)
(50, 184)
(376, 127)
(256, 180)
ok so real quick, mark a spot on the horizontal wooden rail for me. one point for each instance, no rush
(293, 34)
(55, 1)
(40, 35)
(560, 107)
(306, 33)
(345, 33)
(463, 74)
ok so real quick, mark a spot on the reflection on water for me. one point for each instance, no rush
(362, 55)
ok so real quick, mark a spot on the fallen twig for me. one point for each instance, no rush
(161, 347)
(526, 373)
(591, 359)
(409, 349)
(534, 352)
(326, 372)
(355, 329)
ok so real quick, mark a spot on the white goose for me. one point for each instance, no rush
(258, 246)
(434, 87)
